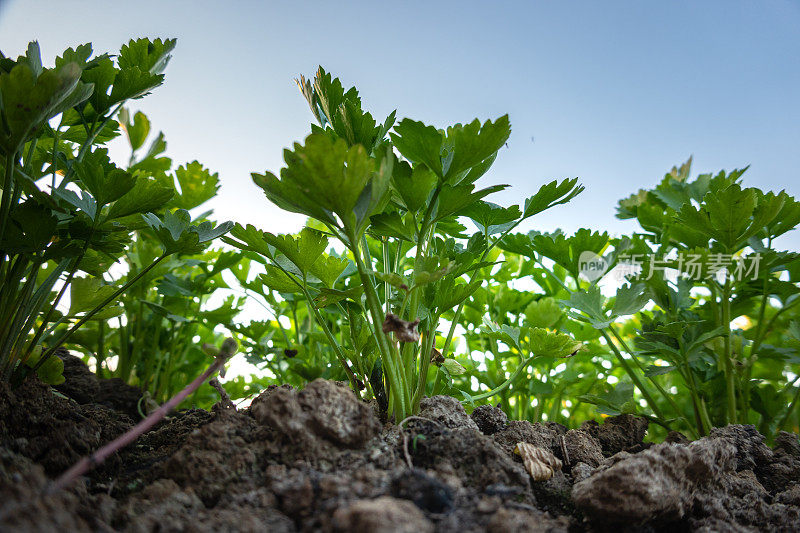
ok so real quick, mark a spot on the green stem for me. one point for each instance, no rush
(354, 381)
(423, 367)
(634, 377)
(652, 379)
(389, 363)
(506, 383)
(5, 202)
(788, 414)
(96, 310)
(727, 359)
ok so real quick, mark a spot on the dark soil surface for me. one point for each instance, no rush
(318, 459)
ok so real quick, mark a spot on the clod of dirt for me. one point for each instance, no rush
(80, 383)
(618, 433)
(427, 492)
(381, 515)
(655, 484)
(447, 411)
(740, 503)
(489, 419)
(320, 416)
(22, 509)
(523, 431)
(719, 483)
(581, 471)
(216, 455)
(775, 471)
(581, 448)
(676, 437)
(475, 458)
(526, 521)
(749, 444)
(163, 506)
(84, 387)
(789, 443)
(790, 496)
(54, 431)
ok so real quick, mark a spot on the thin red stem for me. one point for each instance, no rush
(87, 463)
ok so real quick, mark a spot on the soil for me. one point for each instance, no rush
(318, 459)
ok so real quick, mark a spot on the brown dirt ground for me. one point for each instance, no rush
(318, 459)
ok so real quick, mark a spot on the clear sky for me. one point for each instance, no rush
(612, 92)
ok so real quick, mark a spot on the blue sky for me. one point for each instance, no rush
(614, 93)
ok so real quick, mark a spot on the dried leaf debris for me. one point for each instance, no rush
(540, 463)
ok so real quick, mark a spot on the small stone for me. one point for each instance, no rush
(381, 515)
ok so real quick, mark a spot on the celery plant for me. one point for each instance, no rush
(66, 208)
(398, 219)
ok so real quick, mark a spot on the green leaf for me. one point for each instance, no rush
(450, 292)
(32, 227)
(544, 343)
(653, 370)
(419, 144)
(395, 280)
(78, 55)
(328, 297)
(206, 231)
(100, 74)
(102, 178)
(471, 144)
(88, 293)
(51, 371)
(146, 195)
(615, 400)
(630, 299)
(550, 195)
(146, 55)
(492, 218)
(328, 268)
(518, 243)
(431, 269)
(453, 367)
(566, 251)
(323, 176)
(82, 201)
(543, 313)
(249, 238)
(731, 215)
(177, 235)
(453, 200)
(136, 130)
(132, 83)
(277, 280)
(786, 219)
(341, 110)
(197, 186)
(413, 186)
(504, 333)
(794, 330)
(302, 250)
(29, 98)
(391, 224)
(78, 134)
(589, 301)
